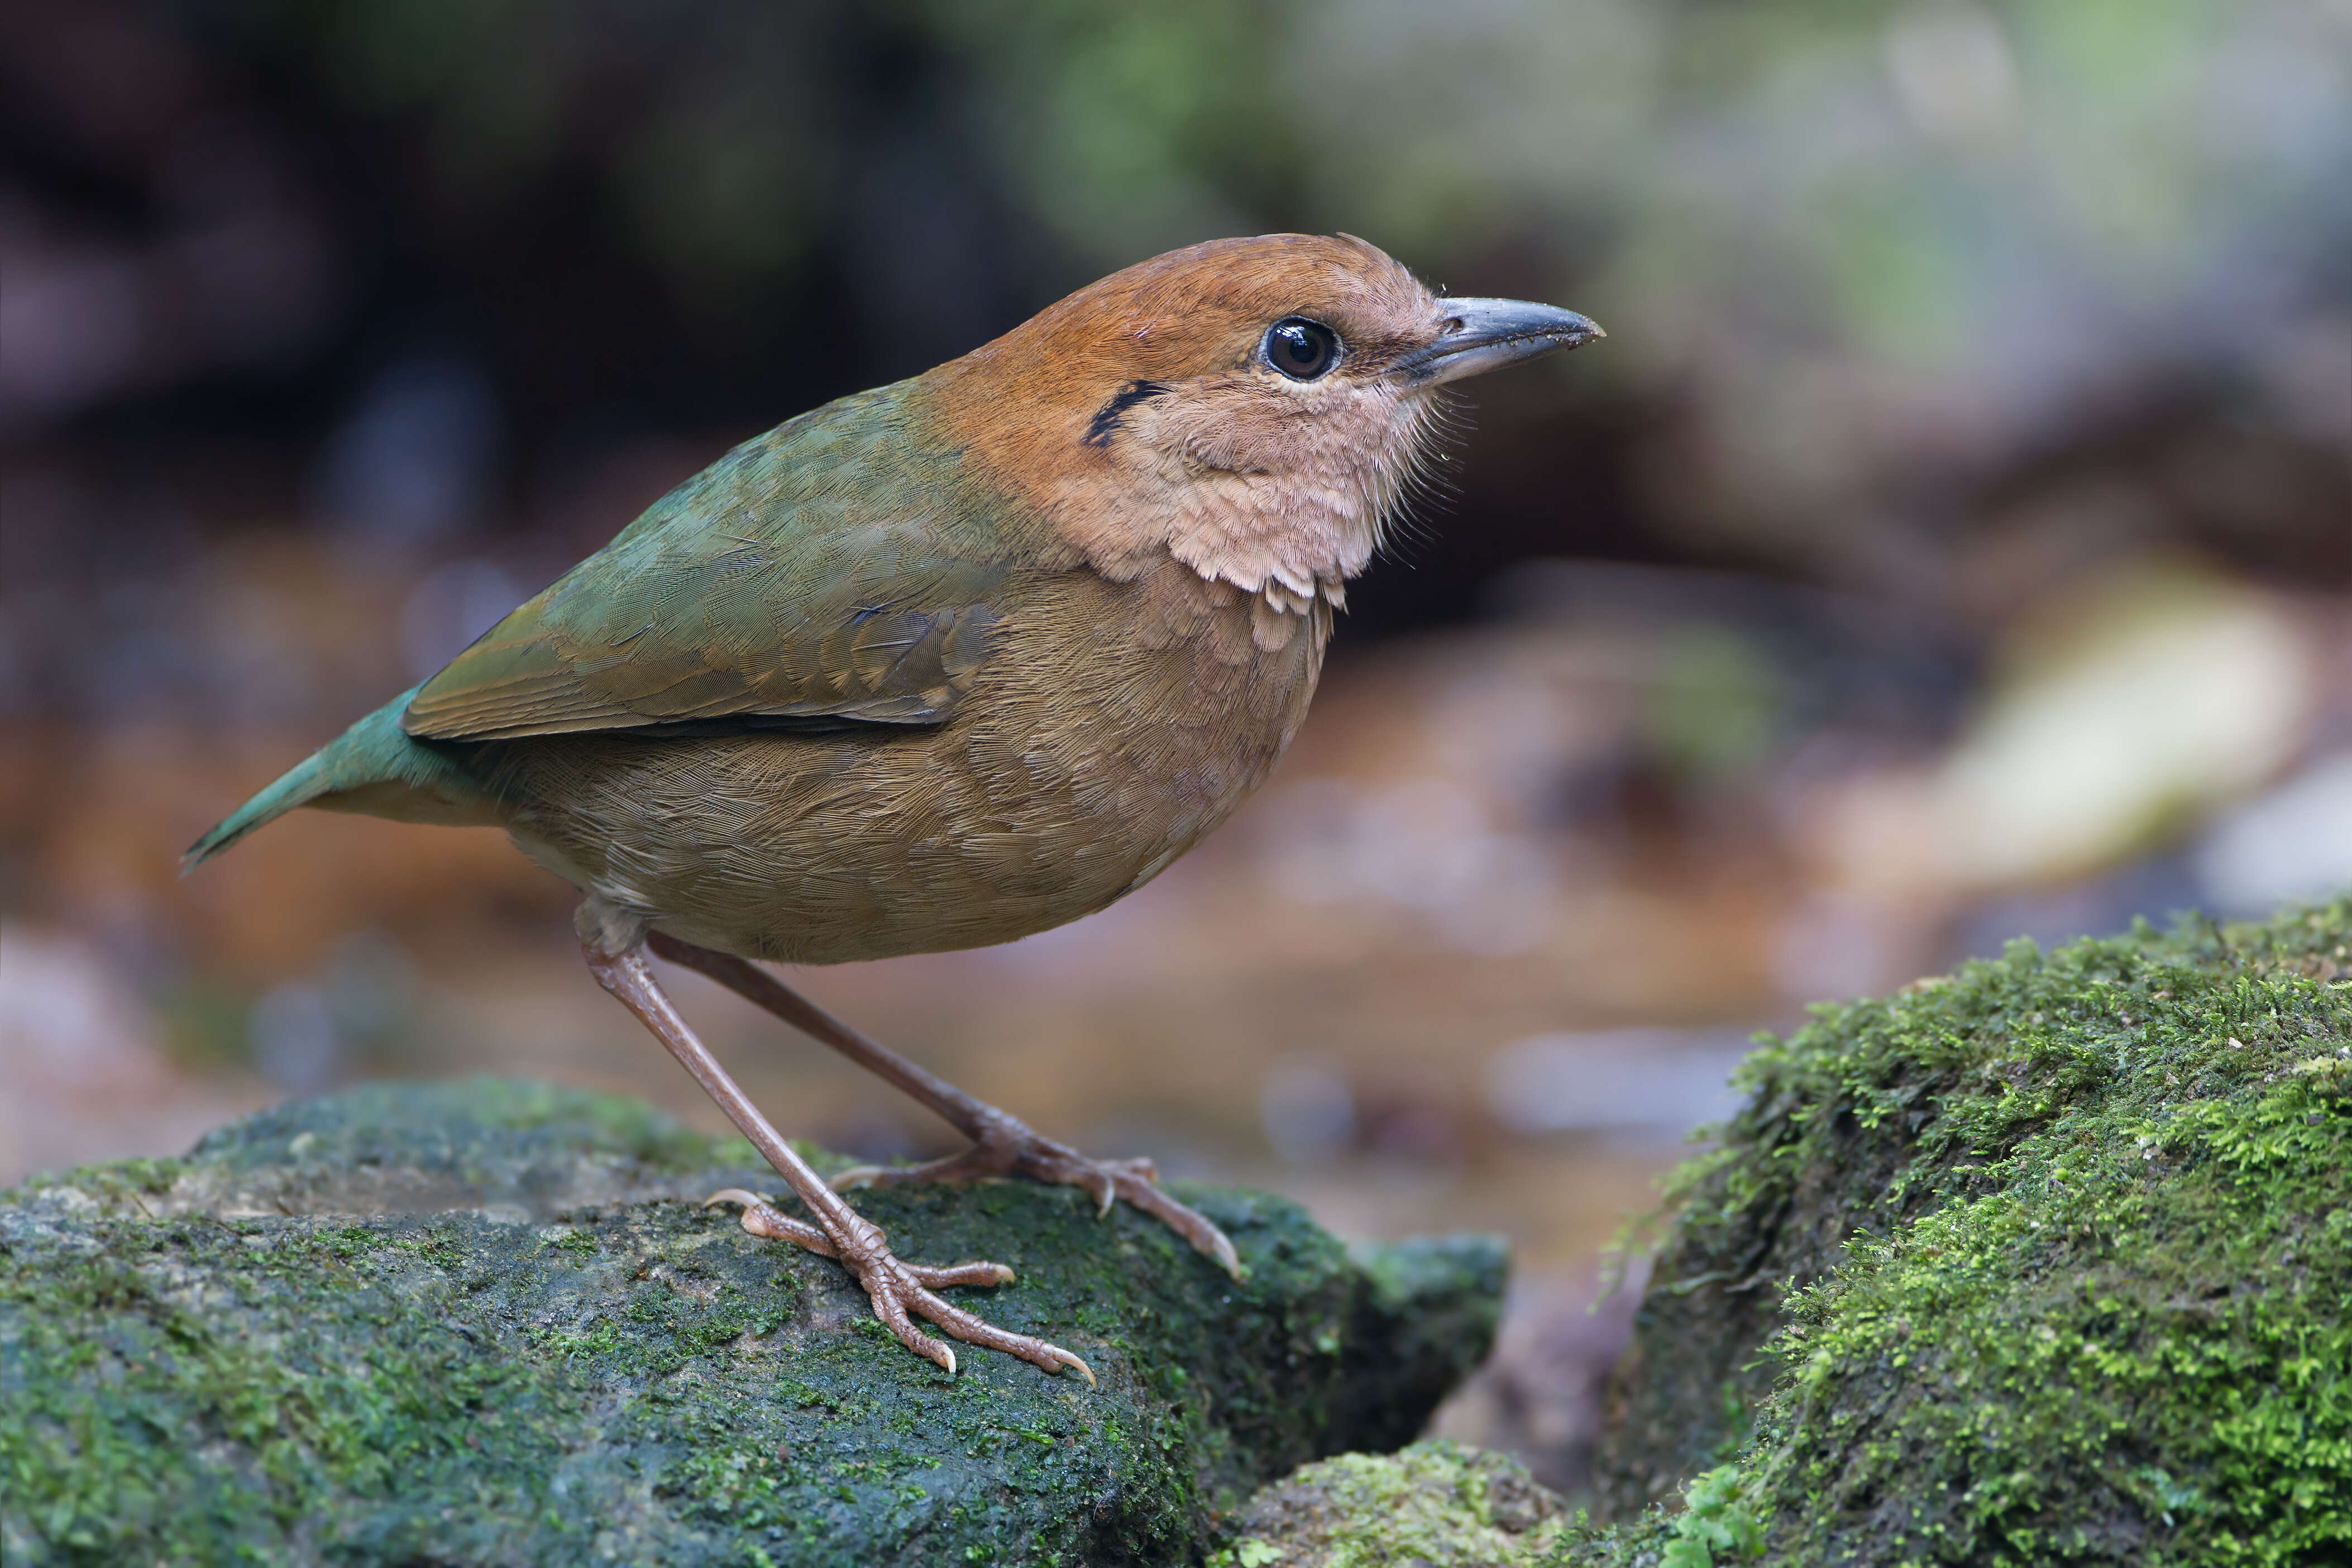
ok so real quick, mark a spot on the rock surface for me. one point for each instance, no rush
(487, 1323)
(1434, 1505)
(2043, 1262)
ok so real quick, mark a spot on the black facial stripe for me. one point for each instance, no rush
(1106, 422)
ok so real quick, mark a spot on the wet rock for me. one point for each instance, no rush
(488, 1323)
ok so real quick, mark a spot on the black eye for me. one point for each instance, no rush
(1300, 349)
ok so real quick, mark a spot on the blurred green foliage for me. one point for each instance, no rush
(1878, 143)
(1853, 236)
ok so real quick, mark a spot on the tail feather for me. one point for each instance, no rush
(374, 767)
(303, 783)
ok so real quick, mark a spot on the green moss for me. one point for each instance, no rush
(187, 1373)
(2043, 1262)
(1715, 1524)
(1437, 1504)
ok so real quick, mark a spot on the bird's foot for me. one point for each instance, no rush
(902, 1291)
(1008, 1147)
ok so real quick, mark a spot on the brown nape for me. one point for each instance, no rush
(1139, 415)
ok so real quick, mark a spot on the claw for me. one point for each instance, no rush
(762, 1218)
(910, 1284)
(986, 1275)
(1011, 1149)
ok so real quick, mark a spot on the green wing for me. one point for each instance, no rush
(817, 576)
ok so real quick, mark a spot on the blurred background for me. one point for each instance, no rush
(1951, 543)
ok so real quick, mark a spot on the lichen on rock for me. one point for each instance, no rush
(1438, 1504)
(2045, 1261)
(489, 1323)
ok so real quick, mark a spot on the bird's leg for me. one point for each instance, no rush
(900, 1291)
(1001, 1143)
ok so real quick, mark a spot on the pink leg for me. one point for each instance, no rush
(1002, 1144)
(899, 1290)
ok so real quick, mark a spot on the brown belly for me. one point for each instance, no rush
(1115, 725)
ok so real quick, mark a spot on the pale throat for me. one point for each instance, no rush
(1286, 511)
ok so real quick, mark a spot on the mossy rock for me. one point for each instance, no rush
(1434, 1505)
(488, 1323)
(2045, 1262)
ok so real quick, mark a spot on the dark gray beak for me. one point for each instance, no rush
(1482, 334)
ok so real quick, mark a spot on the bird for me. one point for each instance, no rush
(943, 664)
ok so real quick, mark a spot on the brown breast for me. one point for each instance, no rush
(1118, 722)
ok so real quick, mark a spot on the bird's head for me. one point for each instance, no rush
(1254, 407)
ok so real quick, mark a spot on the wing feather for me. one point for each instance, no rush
(779, 585)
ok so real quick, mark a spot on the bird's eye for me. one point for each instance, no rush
(1300, 349)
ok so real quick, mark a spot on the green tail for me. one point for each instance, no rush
(374, 767)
